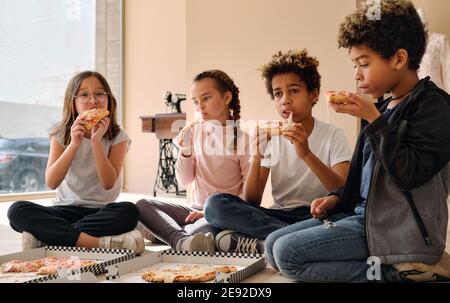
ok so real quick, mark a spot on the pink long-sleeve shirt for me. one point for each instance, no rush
(214, 166)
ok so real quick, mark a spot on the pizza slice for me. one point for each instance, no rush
(186, 273)
(18, 266)
(337, 97)
(51, 264)
(93, 116)
(44, 266)
(277, 128)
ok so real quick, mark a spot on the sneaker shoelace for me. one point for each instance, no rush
(247, 245)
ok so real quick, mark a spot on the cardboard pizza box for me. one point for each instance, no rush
(102, 257)
(131, 271)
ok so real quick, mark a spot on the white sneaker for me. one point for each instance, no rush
(29, 241)
(197, 242)
(132, 240)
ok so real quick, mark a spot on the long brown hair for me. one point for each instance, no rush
(226, 84)
(70, 113)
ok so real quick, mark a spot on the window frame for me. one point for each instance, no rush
(103, 18)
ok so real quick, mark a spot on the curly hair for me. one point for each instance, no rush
(224, 84)
(293, 61)
(399, 27)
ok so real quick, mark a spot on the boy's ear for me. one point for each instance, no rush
(400, 59)
(314, 95)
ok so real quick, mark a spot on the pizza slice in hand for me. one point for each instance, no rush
(93, 116)
(337, 97)
(277, 128)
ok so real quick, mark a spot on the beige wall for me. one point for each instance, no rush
(437, 14)
(154, 61)
(239, 36)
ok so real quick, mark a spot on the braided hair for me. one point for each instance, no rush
(226, 84)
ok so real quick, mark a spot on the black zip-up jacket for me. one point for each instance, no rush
(406, 208)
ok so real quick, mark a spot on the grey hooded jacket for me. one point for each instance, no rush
(406, 209)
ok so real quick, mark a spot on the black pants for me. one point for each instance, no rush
(167, 221)
(62, 225)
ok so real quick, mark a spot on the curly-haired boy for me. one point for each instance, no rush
(309, 159)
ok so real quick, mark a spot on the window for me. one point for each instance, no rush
(43, 43)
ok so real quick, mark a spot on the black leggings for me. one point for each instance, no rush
(62, 225)
(167, 221)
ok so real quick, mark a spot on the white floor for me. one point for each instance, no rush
(10, 241)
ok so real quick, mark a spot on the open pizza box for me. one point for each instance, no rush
(131, 271)
(98, 259)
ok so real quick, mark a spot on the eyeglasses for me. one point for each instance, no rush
(84, 98)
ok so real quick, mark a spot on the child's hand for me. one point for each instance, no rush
(258, 141)
(185, 132)
(358, 107)
(194, 216)
(99, 130)
(185, 143)
(77, 131)
(298, 136)
(323, 207)
(185, 139)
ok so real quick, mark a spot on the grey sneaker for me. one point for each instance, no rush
(419, 272)
(30, 242)
(132, 240)
(231, 241)
(197, 242)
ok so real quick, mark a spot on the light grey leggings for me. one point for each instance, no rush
(167, 221)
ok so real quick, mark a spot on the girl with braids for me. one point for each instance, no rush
(308, 160)
(212, 158)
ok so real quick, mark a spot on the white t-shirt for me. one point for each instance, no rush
(294, 184)
(82, 186)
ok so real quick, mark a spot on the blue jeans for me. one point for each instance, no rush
(226, 211)
(313, 251)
